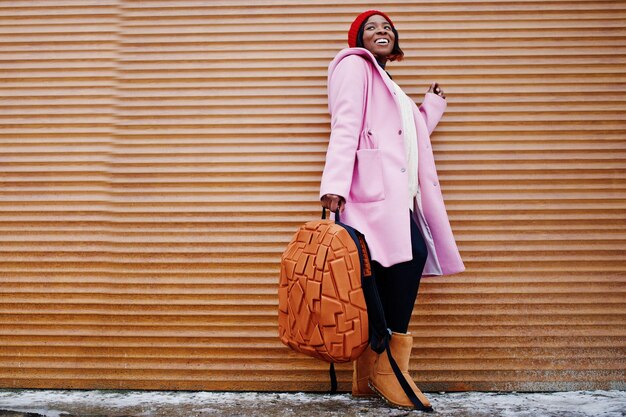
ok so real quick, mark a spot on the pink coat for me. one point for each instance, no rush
(366, 164)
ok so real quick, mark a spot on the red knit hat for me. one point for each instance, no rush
(356, 25)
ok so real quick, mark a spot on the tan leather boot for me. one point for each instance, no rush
(363, 367)
(384, 381)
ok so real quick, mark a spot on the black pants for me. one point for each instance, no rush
(398, 284)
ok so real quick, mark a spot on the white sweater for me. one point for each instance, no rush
(410, 145)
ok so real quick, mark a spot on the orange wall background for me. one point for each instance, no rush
(156, 157)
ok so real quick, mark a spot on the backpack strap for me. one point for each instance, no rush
(337, 218)
(333, 378)
(380, 335)
(402, 380)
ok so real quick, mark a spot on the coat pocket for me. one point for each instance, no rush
(367, 179)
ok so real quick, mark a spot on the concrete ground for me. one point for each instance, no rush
(51, 403)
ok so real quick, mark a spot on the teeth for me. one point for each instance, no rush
(382, 41)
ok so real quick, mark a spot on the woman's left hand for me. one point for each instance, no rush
(435, 89)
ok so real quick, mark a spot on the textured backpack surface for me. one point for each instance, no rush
(322, 310)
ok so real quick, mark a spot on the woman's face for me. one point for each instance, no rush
(378, 38)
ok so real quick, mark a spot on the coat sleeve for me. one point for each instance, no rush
(432, 109)
(347, 92)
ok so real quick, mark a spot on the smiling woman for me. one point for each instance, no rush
(378, 36)
(379, 138)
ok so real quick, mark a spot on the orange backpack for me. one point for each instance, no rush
(321, 306)
(328, 304)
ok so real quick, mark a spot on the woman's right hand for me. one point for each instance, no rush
(435, 89)
(333, 202)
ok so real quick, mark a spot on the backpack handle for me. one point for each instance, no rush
(337, 218)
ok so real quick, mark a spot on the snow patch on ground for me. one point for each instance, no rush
(570, 404)
(52, 403)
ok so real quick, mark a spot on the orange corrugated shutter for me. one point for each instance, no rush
(156, 156)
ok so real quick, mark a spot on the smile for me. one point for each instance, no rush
(382, 41)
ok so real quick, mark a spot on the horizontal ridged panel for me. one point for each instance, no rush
(158, 155)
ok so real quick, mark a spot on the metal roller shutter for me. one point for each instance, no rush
(156, 157)
(57, 118)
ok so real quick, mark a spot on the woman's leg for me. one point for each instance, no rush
(398, 284)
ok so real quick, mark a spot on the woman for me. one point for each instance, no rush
(380, 173)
